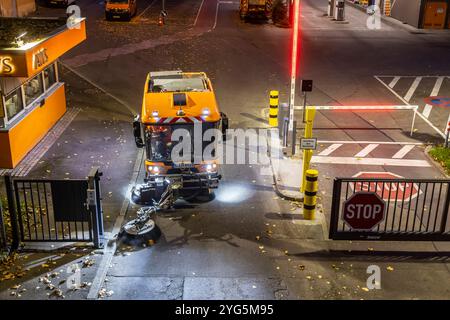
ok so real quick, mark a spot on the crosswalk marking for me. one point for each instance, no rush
(437, 86)
(425, 119)
(394, 82)
(413, 88)
(370, 161)
(364, 152)
(330, 149)
(369, 142)
(403, 152)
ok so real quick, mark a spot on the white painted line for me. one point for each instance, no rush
(110, 247)
(198, 12)
(217, 13)
(403, 152)
(413, 88)
(407, 103)
(437, 86)
(365, 152)
(370, 161)
(330, 149)
(148, 7)
(368, 142)
(394, 82)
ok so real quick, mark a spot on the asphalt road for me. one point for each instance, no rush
(244, 244)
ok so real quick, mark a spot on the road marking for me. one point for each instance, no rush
(330, 149)
(407, 103)
(217, 13)
(437, 86)
(198, 12)
(413, 88)
(370, 161)
(110, 247)
(403, 152)
(364, 152)
(148, 7)
(368, 142)
(131, 110)
(394, 82)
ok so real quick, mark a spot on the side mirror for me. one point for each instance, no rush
(224, 125)
(137, 132)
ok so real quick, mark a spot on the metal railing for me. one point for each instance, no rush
(416, 209)
(43, 210)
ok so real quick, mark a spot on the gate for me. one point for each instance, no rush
(415, 209)
(43, 210)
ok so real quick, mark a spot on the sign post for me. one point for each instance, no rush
(307, 153)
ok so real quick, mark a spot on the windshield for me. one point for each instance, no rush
(118, 1)
(177, 85)
(159, 143)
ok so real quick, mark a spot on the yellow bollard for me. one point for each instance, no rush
(273, 111)
(311, 188)
(307, 154)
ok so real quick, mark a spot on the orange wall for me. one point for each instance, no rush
(20, 139)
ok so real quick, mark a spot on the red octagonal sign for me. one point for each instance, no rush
(364, 211)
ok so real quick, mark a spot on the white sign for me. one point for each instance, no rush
(308, 144)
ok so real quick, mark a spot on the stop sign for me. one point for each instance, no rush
(402, 191)
(364, 210)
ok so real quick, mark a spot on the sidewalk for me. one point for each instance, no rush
(96, 131)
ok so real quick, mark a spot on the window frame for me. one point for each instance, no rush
(33, 104)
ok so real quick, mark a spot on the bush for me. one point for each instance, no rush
(442, 155)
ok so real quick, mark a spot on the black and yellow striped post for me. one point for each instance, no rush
(311, 188)
(273, 111)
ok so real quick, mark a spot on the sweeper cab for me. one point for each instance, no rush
(178, 109)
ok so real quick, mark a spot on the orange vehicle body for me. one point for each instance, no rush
(179, 100)
(120, 9)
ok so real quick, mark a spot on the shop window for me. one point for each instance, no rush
(49, 76)
(13, 104)
(33, 89)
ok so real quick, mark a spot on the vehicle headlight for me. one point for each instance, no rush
(210, 167)
(153, 169)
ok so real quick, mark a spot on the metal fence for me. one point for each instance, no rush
(416, 209)
(43, 210)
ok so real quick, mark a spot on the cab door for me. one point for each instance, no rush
(435, 14)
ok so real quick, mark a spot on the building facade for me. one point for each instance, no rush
(32, 96)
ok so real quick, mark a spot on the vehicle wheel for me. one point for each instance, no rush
(129, 17)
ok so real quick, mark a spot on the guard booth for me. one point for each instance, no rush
(32, 97)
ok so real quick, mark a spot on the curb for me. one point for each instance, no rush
(275, 184)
